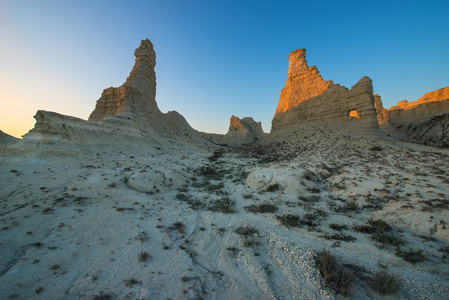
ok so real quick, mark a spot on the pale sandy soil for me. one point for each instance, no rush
(75, 226)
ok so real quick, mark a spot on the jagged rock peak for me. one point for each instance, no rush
(143, 70)
(307, 98)
(383, 116)
(242, 131)
(137, 96)
(303, 82)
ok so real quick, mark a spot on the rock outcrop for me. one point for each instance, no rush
(6, 139)
(137, 95)
(432, 104)
(242, 131)
(124, 115)
(383, 117)
(425, 120)
(307, 98)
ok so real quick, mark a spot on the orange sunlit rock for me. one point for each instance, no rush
(303, 82)
(354, 114)
(307, 98)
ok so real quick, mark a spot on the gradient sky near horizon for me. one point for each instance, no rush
(214, 59)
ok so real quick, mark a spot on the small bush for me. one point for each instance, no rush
(273, 187)
(411, 256)
(376, 148)
(363, 229)
(314, 190)
(384, 283)
(335, 277)
(178, 226)
(289, 220)
(143, 256)
(216, 156)
(262, 208)
(310, 198)
(210, 171)
(338, 227)
(379, 225)
(340, 237)
(224, 205)
(130, 282)
(387, 239)
(246, 230)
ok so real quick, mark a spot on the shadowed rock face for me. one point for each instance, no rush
(127, 115)
(6, 139)
(242, 131)
(307, 98)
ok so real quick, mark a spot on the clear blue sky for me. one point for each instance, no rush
(214, 58)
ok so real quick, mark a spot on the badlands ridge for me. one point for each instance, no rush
(135, 204)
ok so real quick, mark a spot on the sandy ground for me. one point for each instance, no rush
(161, 223)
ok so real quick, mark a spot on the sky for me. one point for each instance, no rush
(214, 59)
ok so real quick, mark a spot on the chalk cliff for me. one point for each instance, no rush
(307, 98)
(242, 131)
(126, 115)
(425, 120)
(432, 104)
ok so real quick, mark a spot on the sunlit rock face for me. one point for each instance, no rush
(432, 104)
(303, 82)
(127, 114)
(307, 98)
(425, 120)
(242, 131)
(137, 95)
(383, 116)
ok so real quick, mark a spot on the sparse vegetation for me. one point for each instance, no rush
(411, 256)
(338, 227)
(224, 205)
(143, 256)
(246, 230)
(273, 188)
(385, 239)
(289, 220)
(262, 208)
(177, 226)
(130, 282)
(384, 283)
(334, 276)
(340, 237)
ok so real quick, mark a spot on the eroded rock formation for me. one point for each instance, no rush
(432, 104)
(383, 116)
(137, 95)
(6, 139)
(127, 114)
(307, 98)
(424, 120)
(242, 131)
